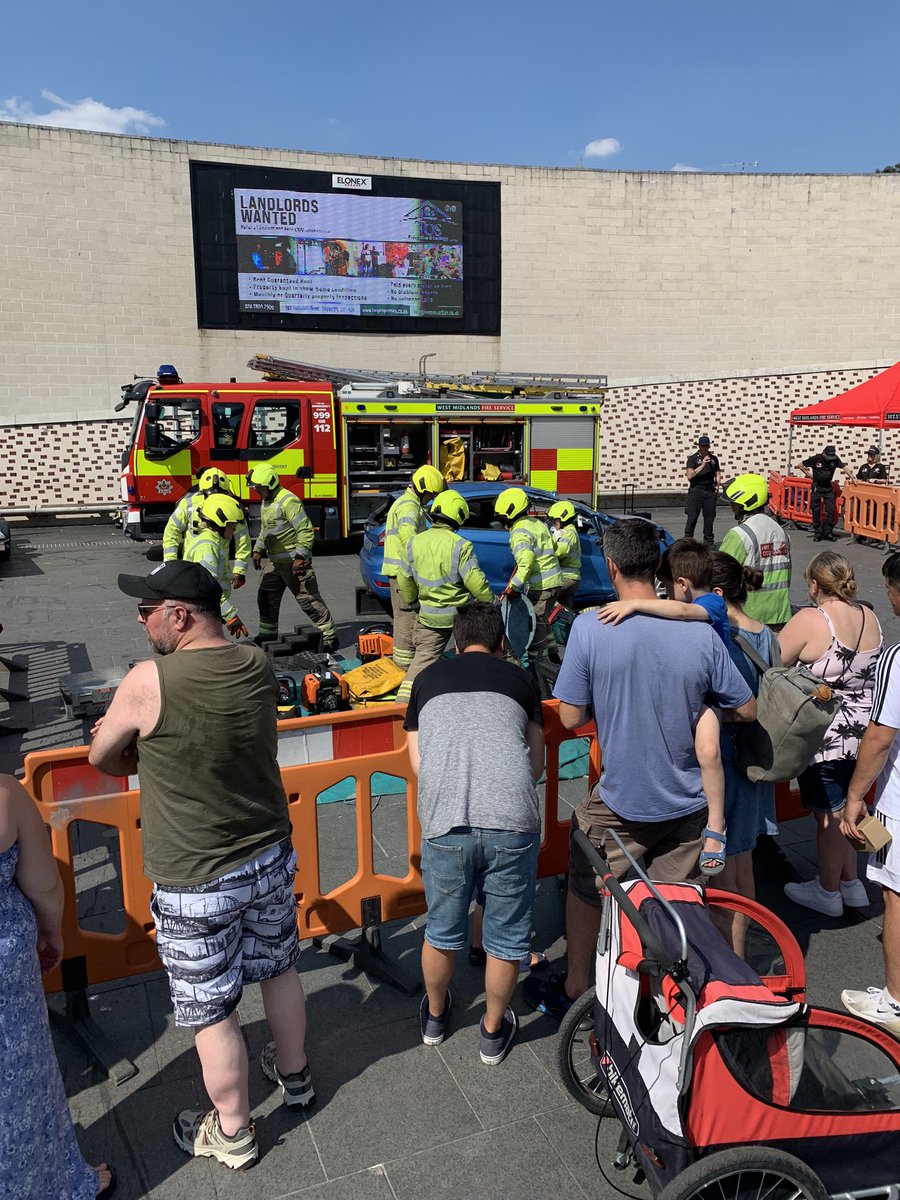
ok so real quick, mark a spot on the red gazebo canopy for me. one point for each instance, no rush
(875, 403)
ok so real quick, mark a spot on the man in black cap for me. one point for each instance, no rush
(821, 468)
(197, 724)
(705, 478)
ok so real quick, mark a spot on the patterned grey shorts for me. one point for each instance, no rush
(240, 928)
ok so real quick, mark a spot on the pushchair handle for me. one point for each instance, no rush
(621, 897)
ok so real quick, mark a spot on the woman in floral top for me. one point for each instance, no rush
(839, 641)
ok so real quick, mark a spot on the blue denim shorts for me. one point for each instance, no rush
(824, 785)
(495, 864)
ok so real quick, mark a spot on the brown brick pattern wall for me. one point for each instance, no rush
(648, 431)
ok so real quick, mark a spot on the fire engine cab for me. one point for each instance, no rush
(345, 440)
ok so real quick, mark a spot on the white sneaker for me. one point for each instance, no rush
(854, 894)
(813, 895)
(873, 1005)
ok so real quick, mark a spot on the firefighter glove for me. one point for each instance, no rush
(257, 560)
(237, 628)
(301, 567)
(237, 581)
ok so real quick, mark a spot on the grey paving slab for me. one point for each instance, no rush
(381, 1095)
(572, 1132)
(513, 1162)
(371, 1184)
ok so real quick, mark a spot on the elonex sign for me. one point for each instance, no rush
(355, 183)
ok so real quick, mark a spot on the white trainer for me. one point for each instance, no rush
(812, 895)
(854, 894)
(873, 1005)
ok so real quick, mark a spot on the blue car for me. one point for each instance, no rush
(491, 543)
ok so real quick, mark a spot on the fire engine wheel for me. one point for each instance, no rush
(746, 1173)
(573, 1058)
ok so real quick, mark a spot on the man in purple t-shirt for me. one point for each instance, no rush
(645, 682)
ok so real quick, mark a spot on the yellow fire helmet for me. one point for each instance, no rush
(428, 479)
(749, 492)
(218, 510)
(263, 475)
(451, 507)
(562, 510)
(214, 480)
(511, 504)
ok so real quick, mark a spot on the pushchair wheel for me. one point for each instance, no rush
(745, 1173)
(573, 1058)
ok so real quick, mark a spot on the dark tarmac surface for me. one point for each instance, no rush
(393, 1118)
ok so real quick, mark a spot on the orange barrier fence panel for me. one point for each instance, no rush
(795, 497)
(872, 511)
(776, 493)
(315, 754)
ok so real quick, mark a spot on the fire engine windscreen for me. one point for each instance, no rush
(313, 253)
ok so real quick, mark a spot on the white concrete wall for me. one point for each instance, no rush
(648, 278)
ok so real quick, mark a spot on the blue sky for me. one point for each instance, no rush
(792, 85)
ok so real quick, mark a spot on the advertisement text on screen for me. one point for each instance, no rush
(356, 183)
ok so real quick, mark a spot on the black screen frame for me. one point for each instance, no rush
(216, 251)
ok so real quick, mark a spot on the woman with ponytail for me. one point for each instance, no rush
(839, 640)
(749, 807)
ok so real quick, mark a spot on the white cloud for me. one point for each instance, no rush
(686, 167)
(602, 148)
(80, 114)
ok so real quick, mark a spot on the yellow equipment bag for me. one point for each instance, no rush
(374, 680)
(453, 459)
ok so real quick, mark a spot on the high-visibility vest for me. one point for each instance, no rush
(568, 551)
(537, 567)
(286, 531)
(442, 572)
(183, 525)
(405, 519)
(761, 542)
(210, 550)
(179, 524)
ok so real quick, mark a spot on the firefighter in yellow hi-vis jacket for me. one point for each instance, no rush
(441, 572)
(217, 518)
(183, 524)
(537, 572)
(564, 532)
(406, 517)
(286, 537)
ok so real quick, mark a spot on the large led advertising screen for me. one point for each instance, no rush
(283, 249)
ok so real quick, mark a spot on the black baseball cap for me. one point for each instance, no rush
(873, 450)
(830, 452)
(173, 581)
(703, 441)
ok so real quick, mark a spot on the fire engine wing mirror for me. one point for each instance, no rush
(190, 404)
(152, 412)
(152, 438)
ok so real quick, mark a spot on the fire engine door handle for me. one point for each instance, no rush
(304, 472)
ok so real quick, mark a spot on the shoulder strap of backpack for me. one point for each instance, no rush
(758, 661)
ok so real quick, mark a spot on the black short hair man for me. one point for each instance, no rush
(820, 468)
(650, 792)
(704, 475)
(216, 839)
(476, 743)
(879, 759)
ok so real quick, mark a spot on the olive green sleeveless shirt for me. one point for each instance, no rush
(211, 792)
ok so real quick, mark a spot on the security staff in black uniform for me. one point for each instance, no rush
(873, 469)
(705, 476)
(821, 468)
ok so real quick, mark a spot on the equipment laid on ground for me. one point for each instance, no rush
(89, 693)
(374, 682)
(324, 692)
(375, 641)
(344, 441)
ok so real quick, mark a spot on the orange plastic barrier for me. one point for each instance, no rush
(871, 511)
(792, 497)
(315, 753)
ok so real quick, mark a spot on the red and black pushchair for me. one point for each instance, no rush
(726, 1083)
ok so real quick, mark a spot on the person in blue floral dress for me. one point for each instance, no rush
(39, 1156)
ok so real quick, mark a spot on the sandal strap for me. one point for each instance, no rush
(713, 833)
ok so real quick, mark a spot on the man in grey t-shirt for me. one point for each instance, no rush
(476, 743)
(645, 682)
